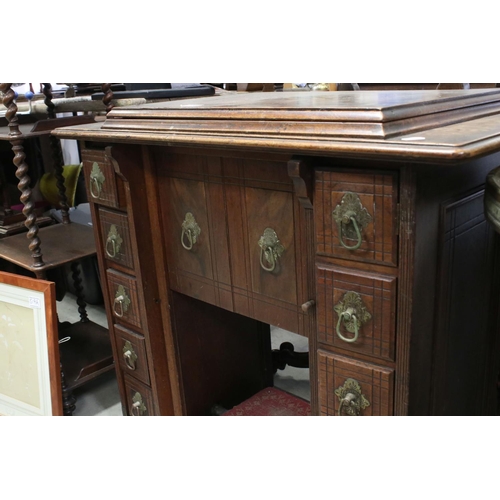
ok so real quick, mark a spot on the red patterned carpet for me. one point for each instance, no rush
(271, 402)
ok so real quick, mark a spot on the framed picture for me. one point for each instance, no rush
(30, 376)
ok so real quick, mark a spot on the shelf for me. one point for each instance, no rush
(60, 244)
(15, 224)
(43, 127)
(87, 354)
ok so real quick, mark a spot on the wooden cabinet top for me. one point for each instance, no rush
(446, 125)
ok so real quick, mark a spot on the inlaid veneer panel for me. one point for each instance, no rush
(185, 209)
(377, 194)
(271, 210)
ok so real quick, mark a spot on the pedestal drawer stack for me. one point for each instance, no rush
(121, 278)
(356, 286)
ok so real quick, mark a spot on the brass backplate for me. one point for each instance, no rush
(351, 206)
(353, 301)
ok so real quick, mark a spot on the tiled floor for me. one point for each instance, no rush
(101, 398)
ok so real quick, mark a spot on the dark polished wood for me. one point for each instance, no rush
(62, 245)
(382, 256)
(16, 140)
(57, 156)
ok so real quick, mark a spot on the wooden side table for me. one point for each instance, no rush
(86, 351)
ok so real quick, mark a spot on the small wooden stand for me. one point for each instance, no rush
(87, 353)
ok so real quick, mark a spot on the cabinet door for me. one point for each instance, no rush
(271, 243)
(187, 238)
(353, 388)
(261, 214)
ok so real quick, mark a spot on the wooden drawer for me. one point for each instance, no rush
(356, 216)
(124, 298)
(115, 235)
(355, 301)
(139, 398)
(100, 179)
(354, 387)
(132, 354)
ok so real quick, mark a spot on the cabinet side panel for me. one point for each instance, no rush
(462, 320)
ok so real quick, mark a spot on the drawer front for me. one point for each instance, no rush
(115, 235)
(139, 399)
(132, 353)
(356, 311)
(354, 388)
(100, 178)
(124, 298)
(356, 216)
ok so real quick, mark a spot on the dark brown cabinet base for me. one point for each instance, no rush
(342, 227)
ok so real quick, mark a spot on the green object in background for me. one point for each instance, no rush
(48, 185)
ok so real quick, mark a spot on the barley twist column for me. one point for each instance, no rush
(80, 300)
(16, 140)
(57, 156)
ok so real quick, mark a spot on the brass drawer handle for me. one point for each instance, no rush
(358, 235)
(97, 179)
(138, 407)
(190, 230)
(349, 316)
(351, 398)
(129, 356)
(121, 303)
(351, 218)
(113, 242)
(271, 249)
(352, 312)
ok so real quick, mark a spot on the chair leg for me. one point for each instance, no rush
(77, 283)
(286, 355)
(69, 399)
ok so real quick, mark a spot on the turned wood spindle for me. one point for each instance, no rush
(108, 96)
(16, 140)
(77, 282)
(57, 156)
(69, 399)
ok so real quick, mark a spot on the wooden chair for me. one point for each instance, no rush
(86, 351)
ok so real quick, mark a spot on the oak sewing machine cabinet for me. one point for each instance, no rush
(354, 219)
